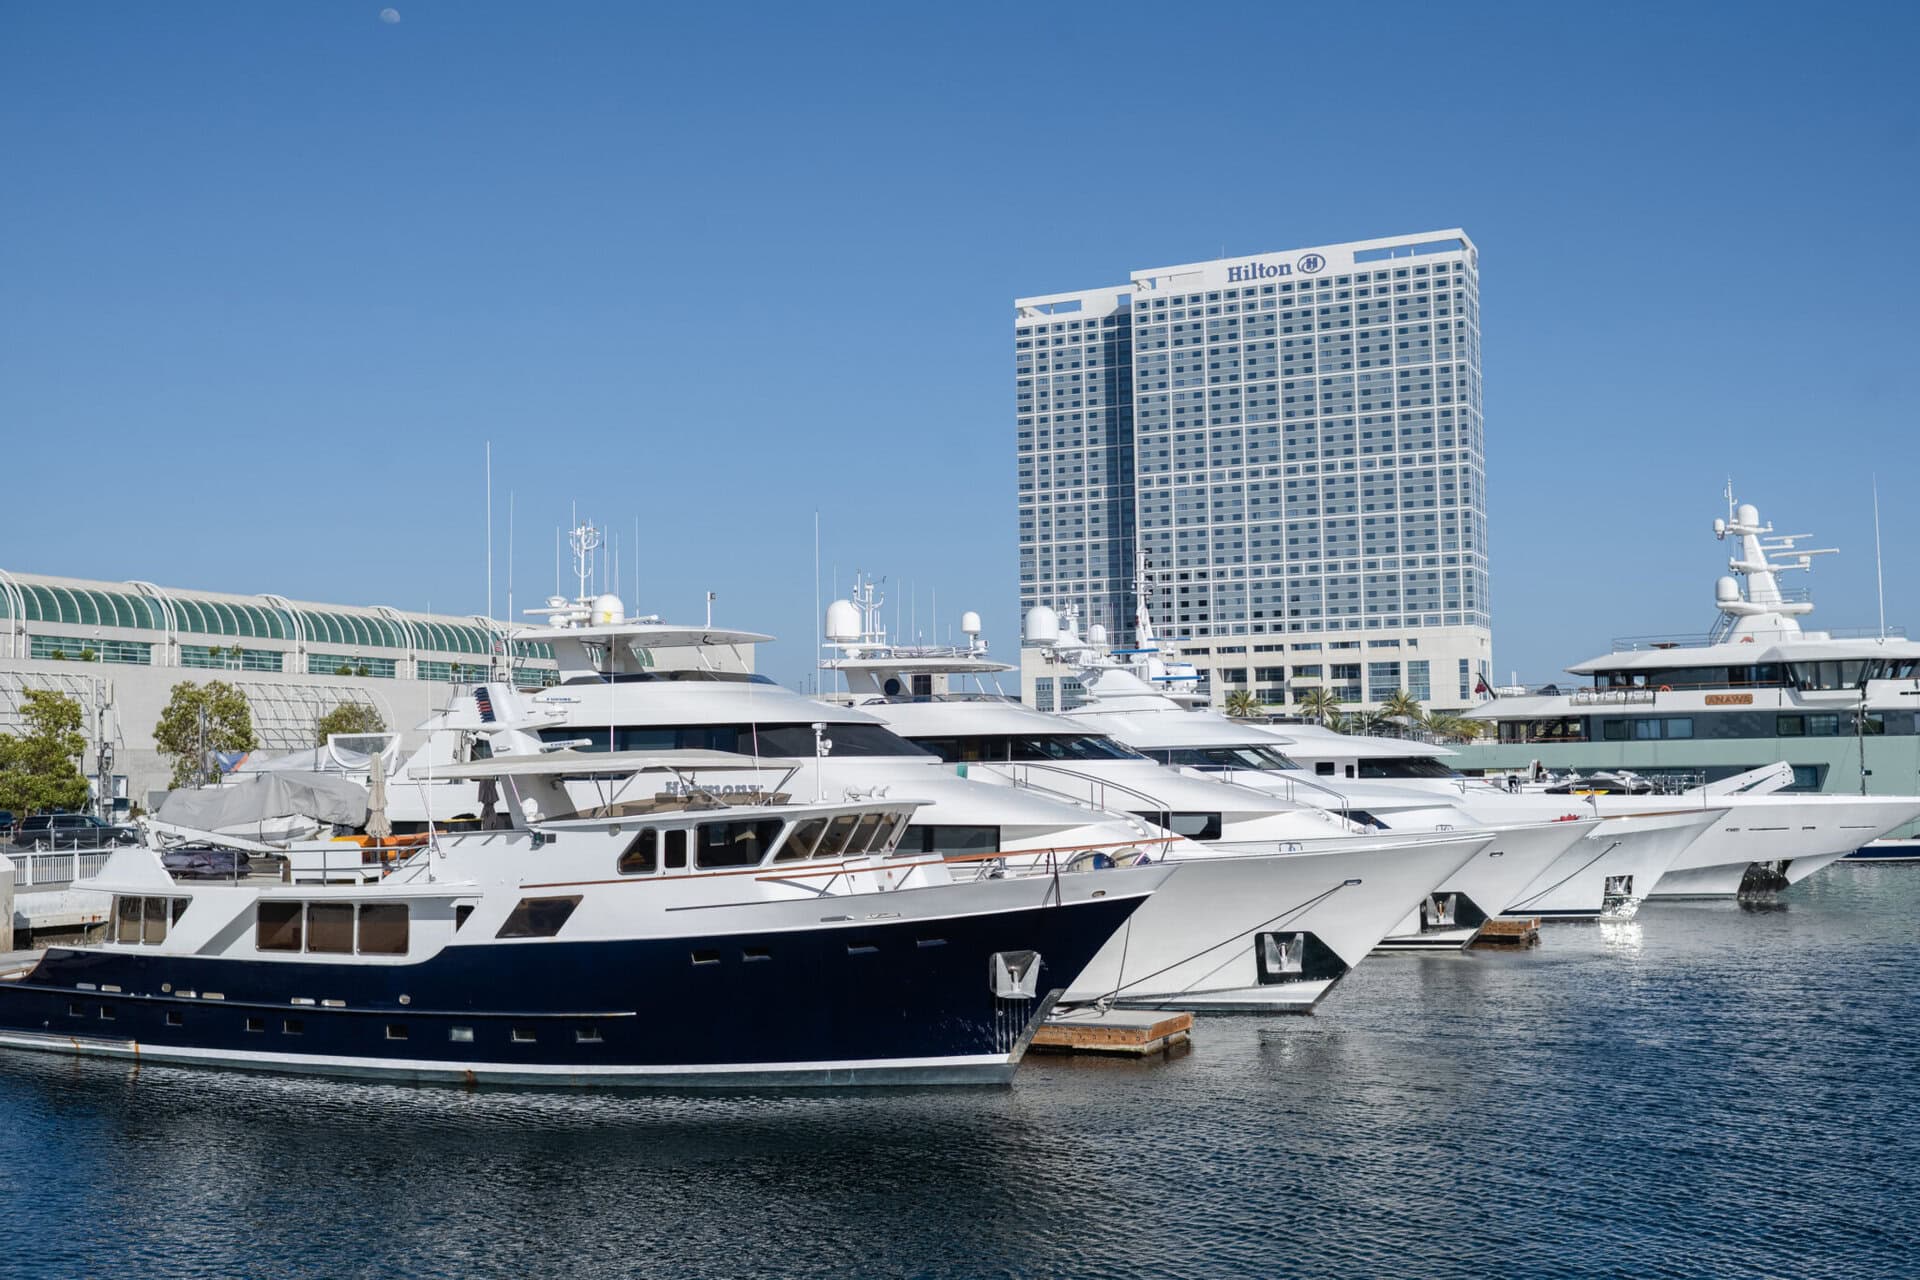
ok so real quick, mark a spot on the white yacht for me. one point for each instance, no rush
(1838, 708)
(1274, 901)
(1548, 861)
(677, 938)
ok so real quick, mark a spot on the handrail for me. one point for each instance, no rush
(1346, 802)
(1093, 780)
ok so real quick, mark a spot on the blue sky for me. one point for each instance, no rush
(271, 276)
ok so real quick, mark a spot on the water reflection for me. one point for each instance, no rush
(1627, 1097)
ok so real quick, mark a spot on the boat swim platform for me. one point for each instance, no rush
(1132, 1033)
(1504, 932)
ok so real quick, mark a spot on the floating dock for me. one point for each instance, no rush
(1509, 931)
(1117, 1032)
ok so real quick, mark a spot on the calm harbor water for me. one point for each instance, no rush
(1716, 1088)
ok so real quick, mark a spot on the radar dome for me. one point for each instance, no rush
(1726, 590)
(1097, 635)
(970, 623)
(1042, 625)
(843, 622)
(608, 610)
(1748, 513)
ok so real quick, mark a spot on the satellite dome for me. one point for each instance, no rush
(1726, 590)
(843, 622)
(1748, 513)
(970, 623)
(608, 610)
(1042, 625)
(1097, 635)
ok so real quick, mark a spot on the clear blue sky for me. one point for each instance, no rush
(271, 274)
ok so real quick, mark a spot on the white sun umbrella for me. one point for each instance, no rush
(378, 825)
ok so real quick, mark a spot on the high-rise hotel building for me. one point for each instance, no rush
(1292, 441)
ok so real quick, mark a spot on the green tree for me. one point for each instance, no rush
(1367, 723)
(1320, 705)
(37, 768)
(1457, 728)
(1404, 707)
(88, 655)
(348, 717)
(1242, 705)
(200, 719)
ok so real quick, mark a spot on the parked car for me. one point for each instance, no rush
(70, 831)
(6, 822)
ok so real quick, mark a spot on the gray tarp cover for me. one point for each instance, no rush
(318, 796)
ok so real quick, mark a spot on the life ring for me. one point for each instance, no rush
(1666, 688)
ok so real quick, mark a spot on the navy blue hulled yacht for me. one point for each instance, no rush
(654, 936)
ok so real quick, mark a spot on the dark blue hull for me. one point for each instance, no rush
(893, 1002)
(1891, 851)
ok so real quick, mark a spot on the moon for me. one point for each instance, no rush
(389, 16)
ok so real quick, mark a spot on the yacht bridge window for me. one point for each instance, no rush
(788, 740)
(145, 920)
(1756, 676)
(1812, 677)
(1405, 767)
(1244, 756)
(993, 748)
(332, 928)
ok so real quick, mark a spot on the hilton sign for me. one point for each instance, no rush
(1248, 272)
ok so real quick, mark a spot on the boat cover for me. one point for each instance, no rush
(322, 797)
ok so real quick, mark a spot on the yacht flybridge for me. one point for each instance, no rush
(1273, 900)
(670, 936)
(1839, 707)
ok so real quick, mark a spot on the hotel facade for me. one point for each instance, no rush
(1293, 446)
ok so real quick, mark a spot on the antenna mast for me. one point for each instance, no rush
(1879, 577)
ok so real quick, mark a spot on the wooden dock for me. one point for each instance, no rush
(1509, 931)
(1120, 1032)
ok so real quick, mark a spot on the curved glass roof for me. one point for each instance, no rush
(85, 606)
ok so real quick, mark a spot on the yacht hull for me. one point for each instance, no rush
(1607, 875)
(1484, 887)
(1790, 837)
(875, 1002)
(1267, 932)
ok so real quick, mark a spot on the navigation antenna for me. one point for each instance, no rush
(1879, 578)
(585, 540)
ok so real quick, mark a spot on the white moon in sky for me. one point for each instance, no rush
(389, 16)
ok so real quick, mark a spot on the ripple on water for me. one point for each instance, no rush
(1709, 1089)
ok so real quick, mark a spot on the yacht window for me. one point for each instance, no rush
(788, 740)
(1323, 768)
(1823, 726)
(1680, 727)
(154, 931)
(383, 929)
(1194, 826)
(642, 856)
(862, 841)
(676, 847)
(951, 842)
(1244, 756)
(538, 917)
(737, 844)
(1613, 730)
(800, 844)
(330, 928)
(1405, 767)
(1790, 726)
(126, 919)
(277, 925)
(835, 843)
(895, 830)
(1023, 747)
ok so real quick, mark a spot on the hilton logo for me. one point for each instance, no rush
(1248, 272)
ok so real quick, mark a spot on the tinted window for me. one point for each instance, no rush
(791, 740)
(1405, 767)
(330, 927)
(800, 844)
(383, 929)
(642, 856)
(736, 844)
(1027, 747)
(951, 841)
(277, 925)
(538, 917)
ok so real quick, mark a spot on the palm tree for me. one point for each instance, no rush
(1367, 723)
(1242, 705)
(1319, 705)
(1457, 728)
(1403, 706)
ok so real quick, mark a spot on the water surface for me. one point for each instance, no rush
(1716, 1088)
